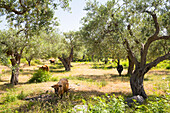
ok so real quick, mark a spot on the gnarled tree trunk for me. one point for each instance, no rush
(15, 69)
(136, 83)
(67, 61)
(141, 66)
(14, 77)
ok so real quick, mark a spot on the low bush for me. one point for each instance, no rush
(106, 104)
(10, 98)
(40, 76)
(154, 105)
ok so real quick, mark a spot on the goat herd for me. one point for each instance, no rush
(62, 86)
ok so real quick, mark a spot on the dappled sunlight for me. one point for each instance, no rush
(84, 83)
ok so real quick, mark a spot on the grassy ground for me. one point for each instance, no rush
(86, 80)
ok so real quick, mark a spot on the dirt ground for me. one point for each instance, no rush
(114, 84)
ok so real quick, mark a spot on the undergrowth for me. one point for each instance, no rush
(40, 76)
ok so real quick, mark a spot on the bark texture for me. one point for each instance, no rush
(15, 68)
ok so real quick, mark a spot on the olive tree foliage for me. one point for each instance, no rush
(12, 48)
(139, 26)
(28, 17)
(51, 44)
(33, 49)
(98, 30)
(70, 43)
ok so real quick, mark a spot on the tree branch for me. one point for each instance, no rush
(155, 21)
(151, 39)
(4, 43)
(22, 4)
(130, 54)
(156, 61)
(155, 36)
(131, 33)
(10, 9)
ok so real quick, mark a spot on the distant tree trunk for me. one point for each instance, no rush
(67, 61)
(92, 57)
(29, 60)
(106, 60)
(131, 66)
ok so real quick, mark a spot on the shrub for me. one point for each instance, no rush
(163, 65)
(21, 70)
(106, 104)
(3, 71)
(10, 96)
(155, 105)
(168, 67)
(40, 76)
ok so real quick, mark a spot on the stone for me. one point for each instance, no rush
(80, 109)
(133, 100)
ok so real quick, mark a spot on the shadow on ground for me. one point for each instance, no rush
(51, 101)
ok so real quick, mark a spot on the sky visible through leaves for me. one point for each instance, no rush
(69, 21)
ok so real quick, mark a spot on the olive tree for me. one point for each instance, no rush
(71, 42)
(12, 47)
(138, 25)
(148, 22)
(27, 17)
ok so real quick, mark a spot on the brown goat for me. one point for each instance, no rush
(44, 68)
(61, 87)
